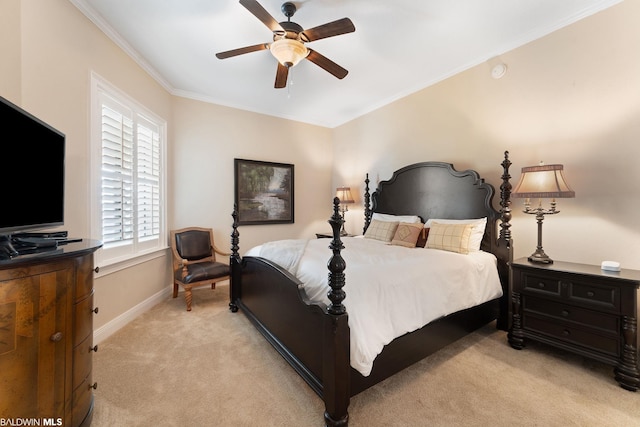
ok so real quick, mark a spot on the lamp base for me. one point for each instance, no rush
(540, 257)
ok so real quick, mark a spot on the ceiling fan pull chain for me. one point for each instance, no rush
(290, 82)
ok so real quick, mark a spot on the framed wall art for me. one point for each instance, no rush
(263, 192)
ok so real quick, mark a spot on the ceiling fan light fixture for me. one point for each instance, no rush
(289, 52)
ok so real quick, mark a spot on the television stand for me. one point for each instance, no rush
(46, 351)
(6, 248)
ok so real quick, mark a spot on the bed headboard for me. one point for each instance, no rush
(437, 190)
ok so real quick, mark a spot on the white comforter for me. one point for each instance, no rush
(390, 290)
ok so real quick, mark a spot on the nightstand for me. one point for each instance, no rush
(579, 308)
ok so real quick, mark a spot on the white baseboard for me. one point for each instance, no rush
(108, 329)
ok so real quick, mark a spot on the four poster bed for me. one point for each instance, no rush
(317, 336)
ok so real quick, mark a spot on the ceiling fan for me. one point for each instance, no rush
(289, 40)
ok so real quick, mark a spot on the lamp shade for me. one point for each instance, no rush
(288, 52)
(543, 181)
(344, 194)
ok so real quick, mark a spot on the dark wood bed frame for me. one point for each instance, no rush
(314, 338)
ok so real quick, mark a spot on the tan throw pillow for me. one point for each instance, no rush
(407, 234)
(381, 230)
(449, 237)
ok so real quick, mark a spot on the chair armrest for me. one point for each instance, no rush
(220, 251)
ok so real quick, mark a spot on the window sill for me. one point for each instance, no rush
(113, 267)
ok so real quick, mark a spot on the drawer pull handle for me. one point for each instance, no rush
(540, 284)
(56, 337)
(93, 386)
(565, 313)
(97, 269)
(590, 294)
(95, 310)
(94, 348)
(566, 332)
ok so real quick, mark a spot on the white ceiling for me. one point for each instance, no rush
(399, 47)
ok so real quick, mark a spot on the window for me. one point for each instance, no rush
(128, 177)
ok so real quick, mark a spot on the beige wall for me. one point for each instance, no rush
(572, 97)
(54, 48)
(10, 42)
(59, 49)
(206, 138)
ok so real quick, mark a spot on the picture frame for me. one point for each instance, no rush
(263, 192)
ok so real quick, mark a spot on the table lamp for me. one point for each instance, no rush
(542, 182)
(344, 194)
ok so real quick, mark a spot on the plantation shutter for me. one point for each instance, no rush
(128, 207)
(148, 182)
(117, 195)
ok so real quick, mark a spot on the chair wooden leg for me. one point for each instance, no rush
(188, 297)
(175, 290)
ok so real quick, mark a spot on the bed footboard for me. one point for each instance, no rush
(318, 346)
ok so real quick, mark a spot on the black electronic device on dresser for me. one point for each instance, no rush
(579, 308)
(33, 167)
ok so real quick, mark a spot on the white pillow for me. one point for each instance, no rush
(477, 232)
(396, 218)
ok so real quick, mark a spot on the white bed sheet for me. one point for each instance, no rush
(390, 290)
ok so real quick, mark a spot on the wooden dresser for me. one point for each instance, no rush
(579, 308)
(46, 336)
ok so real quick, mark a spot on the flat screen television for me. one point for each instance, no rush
(33, 170)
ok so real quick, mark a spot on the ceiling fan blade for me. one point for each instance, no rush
(259, 12)
(281, 76)
(335, 28)
(242, 50)
(327, 64)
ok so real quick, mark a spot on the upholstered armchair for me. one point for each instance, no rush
(194, 261)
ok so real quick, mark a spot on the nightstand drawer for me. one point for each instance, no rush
(598, 296)
(602, 343)
(589, 318)
(541, 284)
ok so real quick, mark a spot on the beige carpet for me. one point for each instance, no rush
(210, 367)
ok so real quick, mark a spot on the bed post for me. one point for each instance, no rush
(504, 244)
(234, 263)
(367, 208)
(336, 366)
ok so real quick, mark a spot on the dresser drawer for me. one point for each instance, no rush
(593, 319)
(83, 319)
(84, 277)
(82, 401)
(540, 284)
(82, 361)
(599, 296)
(602, 343)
